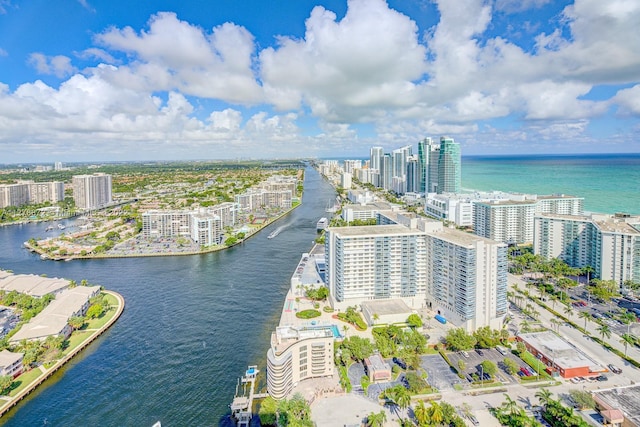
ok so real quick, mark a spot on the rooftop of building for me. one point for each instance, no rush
(462, 238)
(375, 206)
(41, 326)
(53, 319)
(376, 363)
(559, 351)
(285, 336)
(31, 284)
(508, 202)
(625, 399)
(8, 358)
(558, 196)
(71, 300)
(373, 230)
(386, 307)
(618, 223)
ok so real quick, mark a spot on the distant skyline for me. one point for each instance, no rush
(96, 80)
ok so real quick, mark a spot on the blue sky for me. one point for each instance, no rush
(92, 80)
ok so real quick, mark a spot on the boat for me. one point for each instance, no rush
(61, 227)
(322, 224)
(49, 228)
(273, 234)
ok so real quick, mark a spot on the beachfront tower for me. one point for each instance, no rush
(428, 153)
(449, 166)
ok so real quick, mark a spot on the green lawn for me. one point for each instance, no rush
(100, 321)
(24, 380)
(76, 339)
(111, 299)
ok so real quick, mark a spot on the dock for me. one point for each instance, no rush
(241, 407)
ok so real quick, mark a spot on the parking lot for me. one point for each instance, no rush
(356, 372)
(440, 374)
(474, 359)
(8, 320)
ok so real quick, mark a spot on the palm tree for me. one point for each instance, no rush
(402, 397)
(555, 323)
(421, 413)
(586, 316)
(436, 415)
(544, 396)
(376, 419)
(76, 322)
(554, 300)
(568, 311)
(604, 331)
(627, 318)
(525, 326)
(510, 405)
(626, 340)
(345, 329)
(587, 269)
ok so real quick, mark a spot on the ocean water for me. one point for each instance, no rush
(609, 183)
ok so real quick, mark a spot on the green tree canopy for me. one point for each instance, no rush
(414, 321)
(459, 339)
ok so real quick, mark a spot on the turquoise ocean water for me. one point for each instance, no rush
(609, 183)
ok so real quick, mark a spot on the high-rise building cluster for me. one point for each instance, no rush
(206, 225)
(554, 224)
(203, 226)
(26, 192)
(435, 169)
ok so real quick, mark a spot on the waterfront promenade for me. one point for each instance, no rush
(8, 402)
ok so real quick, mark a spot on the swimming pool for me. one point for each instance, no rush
(336, 331)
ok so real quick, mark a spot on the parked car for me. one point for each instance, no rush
(613, 368)
(465, 354)
(474, 420)
(503, 351)
(480, 352)
(400, 362)
(602, 378)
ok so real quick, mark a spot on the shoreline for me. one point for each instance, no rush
(160, 254)
(13, 401)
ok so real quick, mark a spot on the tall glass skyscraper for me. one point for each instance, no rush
(428, 157)
(449, 166)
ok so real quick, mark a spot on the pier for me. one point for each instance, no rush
(241, 407)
